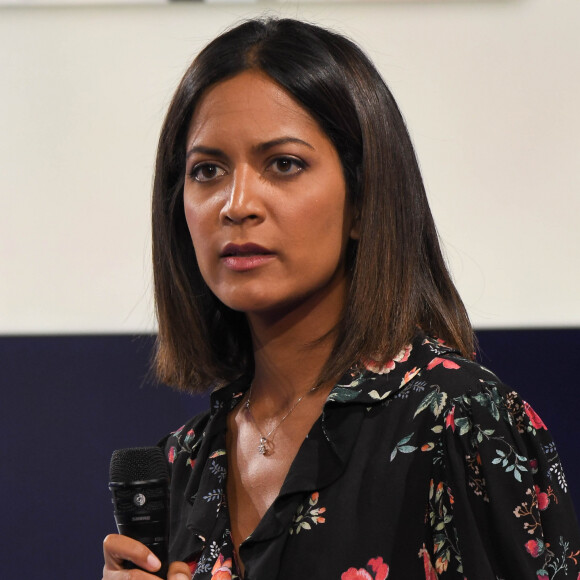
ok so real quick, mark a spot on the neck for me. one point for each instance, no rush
(291, 349)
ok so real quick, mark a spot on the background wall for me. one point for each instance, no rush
(489, 90)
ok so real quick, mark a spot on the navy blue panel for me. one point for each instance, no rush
(68, 402)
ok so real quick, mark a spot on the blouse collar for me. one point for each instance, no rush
(364, 385)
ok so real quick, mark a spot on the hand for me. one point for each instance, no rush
(117, 549)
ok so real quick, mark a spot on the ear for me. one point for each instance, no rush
(354, 233)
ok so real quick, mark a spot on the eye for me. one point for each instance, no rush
(203, 172)
(287, 166)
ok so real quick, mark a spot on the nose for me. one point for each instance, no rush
(243, 203)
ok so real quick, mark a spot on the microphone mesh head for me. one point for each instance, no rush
(138, 464)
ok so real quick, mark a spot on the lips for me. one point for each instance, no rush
(245, 257)
(244, 250)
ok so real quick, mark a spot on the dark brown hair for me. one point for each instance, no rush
(399, 280)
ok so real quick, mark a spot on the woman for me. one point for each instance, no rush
(298, 273)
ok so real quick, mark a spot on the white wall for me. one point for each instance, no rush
(490, 91)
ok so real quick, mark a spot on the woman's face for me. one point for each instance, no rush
(265, 198)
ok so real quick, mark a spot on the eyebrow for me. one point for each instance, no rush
(281, 141)
(260, 148)
(213, 152)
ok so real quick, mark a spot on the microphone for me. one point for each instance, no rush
(139, 482)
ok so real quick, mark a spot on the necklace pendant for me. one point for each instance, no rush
(262, 446)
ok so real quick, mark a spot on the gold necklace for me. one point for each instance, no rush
(265, 446)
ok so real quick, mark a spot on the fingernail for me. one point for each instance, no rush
(153, 561)
(181, 576)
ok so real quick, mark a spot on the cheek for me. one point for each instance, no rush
(321, 238)
(327, 219)
(199, 214)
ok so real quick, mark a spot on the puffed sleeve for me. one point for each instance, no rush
(499, 505)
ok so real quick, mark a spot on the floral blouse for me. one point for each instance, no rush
(427, 467)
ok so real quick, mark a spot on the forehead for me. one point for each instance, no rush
(250, 103)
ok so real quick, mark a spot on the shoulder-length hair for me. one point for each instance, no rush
(399, 280)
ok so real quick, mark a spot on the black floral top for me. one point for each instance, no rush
(427, 467)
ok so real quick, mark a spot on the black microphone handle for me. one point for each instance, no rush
(141, 501)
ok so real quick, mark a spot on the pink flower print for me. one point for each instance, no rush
(533, 548)
(430, 573)
(354, 574)
(382, 369)
(171, 455)
(543, 498)
(450, 419)
(377, 566)
(376, 367)
(543, 575)
(189, 437)
(403, 356)
(535, 420)
(222, 569)
(380, 569)
(447, 364)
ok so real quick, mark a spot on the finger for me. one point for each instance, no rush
(179, 571)
(117, 549)
(135, 574)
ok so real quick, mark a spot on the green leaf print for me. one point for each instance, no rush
(343, 394)
(403, 447)
(435, 401)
